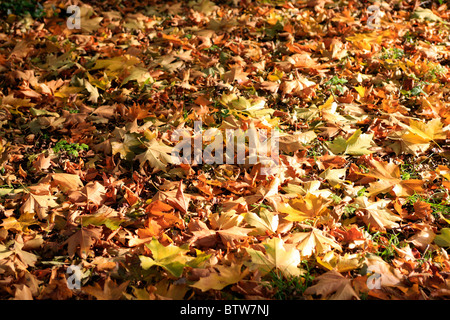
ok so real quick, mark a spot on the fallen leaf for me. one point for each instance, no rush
(220, 277)
(333, 286)
(358, 144)
(312, 242)
(304, 208)
(171, 258)
(277, 255)
(376, 215)
(110, 291)
(390, 180)
(443, 239)
(66, 181)
(82, 239)
(157, 155)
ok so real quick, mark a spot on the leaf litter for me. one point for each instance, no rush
(357, 208)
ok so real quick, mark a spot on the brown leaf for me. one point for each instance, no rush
(84, 239)
(38, 201)
(202, 235)
(111, 290)
(22, 292)
(57, 288)
(66, 181)
(333, 286)
(390, 180)
(95, 193)
(180, 202)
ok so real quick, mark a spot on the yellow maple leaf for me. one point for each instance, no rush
(276, 256)
(313, 241)
(331, 260)
(421, 132)
(390, 180)
(304, 208)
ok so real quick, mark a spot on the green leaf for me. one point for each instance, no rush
(170, 258)
(443, 239)
(111, 223)
(42, 112)
(356, 145)
(266, 221)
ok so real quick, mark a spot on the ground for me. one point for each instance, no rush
(351, 201)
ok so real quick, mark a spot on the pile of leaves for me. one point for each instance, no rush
(357, 208)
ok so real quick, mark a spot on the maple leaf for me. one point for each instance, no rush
(297, 141)
(425, 14)
(163, 214)
(111, 290)
(165, 289)
(93, 92)
(151, 230)
(171, 257)
(157, 155)
(235, 74)
(14, 250)
(139, 74)
(365, 40)
(104, 216)
(84, 238)
(23, 292)
(128, 147)
(89, 24)
(38, 201)
(230, 235)
(220, 277)
(333, 286)
(304, 208)
(376, 214)
(179, 201)
(263, 222)
(304, 60)
(42, 162)
(423, 238)
(333, 176)
(332, 261)
(25, 220)
(389, 275)
(204, 6)
(356, 145)
(203, 236)
(443, 239)
(226, 219)
(416, 138)
(95, 193)
(312, 242)
(116, 64)
(390, 180)
(277, 256)
(66, 181)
